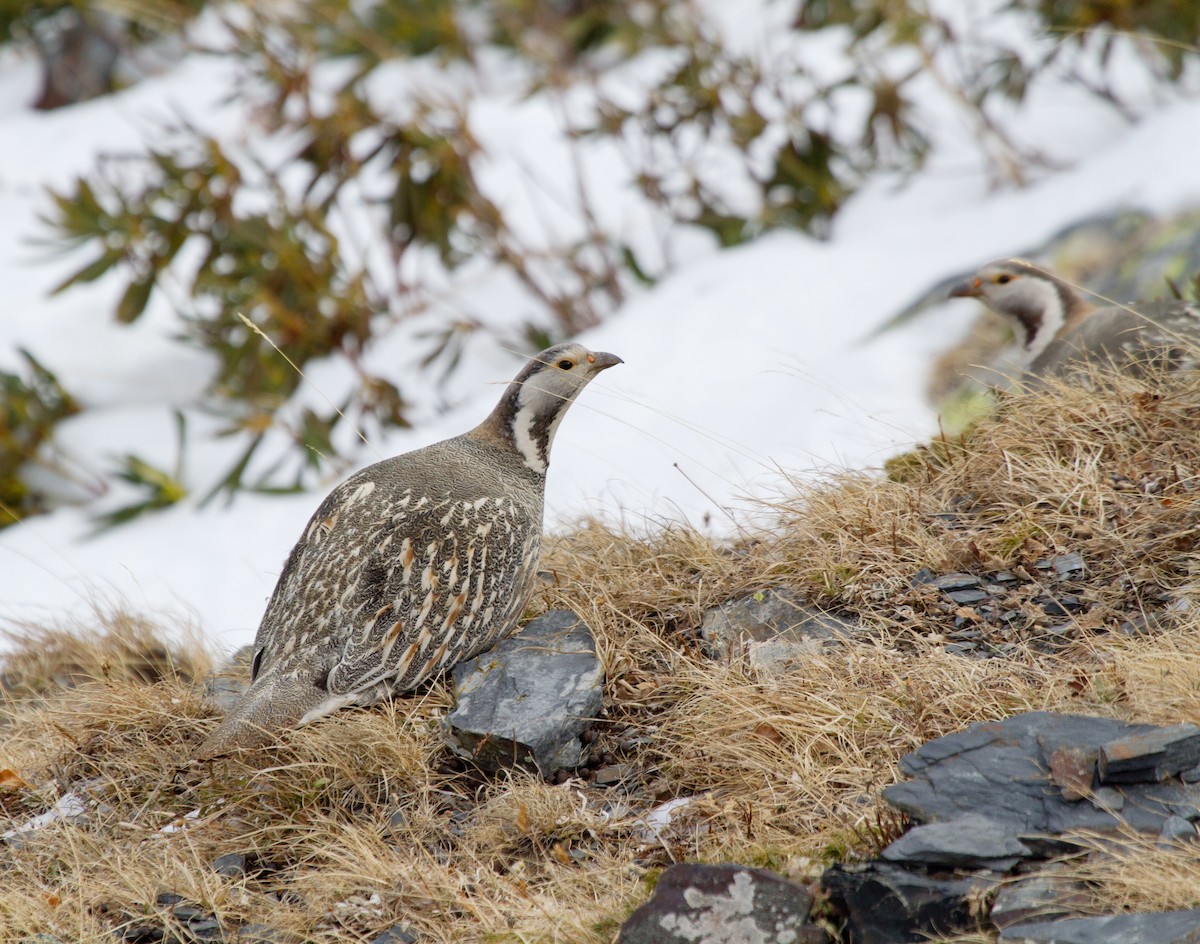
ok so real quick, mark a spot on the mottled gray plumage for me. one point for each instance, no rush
(1059, 331)
(411, 565)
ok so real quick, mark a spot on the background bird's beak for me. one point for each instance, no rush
(971, 288)
(603, 361)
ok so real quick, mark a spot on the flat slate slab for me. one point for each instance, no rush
(526, 701)
(972, 841)
(992, 802)
(1164, 927)
(772, 630)
(1038, 775)
(885, 903)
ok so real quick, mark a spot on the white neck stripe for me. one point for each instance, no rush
(523, 439)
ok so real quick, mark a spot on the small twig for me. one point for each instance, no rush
(292, 364)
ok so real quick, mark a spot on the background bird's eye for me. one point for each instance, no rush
(566, 364)
(1003, 279)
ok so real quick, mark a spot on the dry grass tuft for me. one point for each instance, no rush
(364, 821)
(118, 647)
(1137, 873)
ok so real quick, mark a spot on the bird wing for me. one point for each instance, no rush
(1126, 338)
(433, 580)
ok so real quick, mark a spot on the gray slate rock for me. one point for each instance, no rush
(1040, 897)
(1000, 796)
(527, 700)
(1152, 755)
(227, 685)
(1167, 927)
(1002, 771)
(1177, 829)
(1069, 566)
(972, 841)
(400, 934)
(772, 630)
(884, 903)
(230, 865)
(957, 581)
(723, 904)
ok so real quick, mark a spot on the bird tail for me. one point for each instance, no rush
(272, 704)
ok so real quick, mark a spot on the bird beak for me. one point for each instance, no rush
(971, 288)
(599, 361)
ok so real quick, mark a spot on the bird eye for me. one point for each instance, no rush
(566, 364)
(1003, 279)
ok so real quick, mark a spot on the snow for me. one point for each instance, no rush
(742, 366)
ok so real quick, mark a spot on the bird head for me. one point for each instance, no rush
(553, 378)
(535, 402)
(1036, 303)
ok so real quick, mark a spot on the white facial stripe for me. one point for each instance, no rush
(1053, 316)
(531, 453)
(536, 402)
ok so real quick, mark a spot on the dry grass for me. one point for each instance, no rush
(364, 821)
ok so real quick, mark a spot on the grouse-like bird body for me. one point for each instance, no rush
(411, 565)
(1059, 331)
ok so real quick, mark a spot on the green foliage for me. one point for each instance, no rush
(798, 170)
(990, 67)
(31, 403)
(140, 20)
(162, 489)
(1171, 28)
(282, 267)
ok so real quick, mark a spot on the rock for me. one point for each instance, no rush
(1106, 798)
(230, 865)
(200, 925)
(527, 700)
(951, 582)
(884, 903)
(722, 904)
(400, 934)
(1069, 566)
(968, 597)
(1005, 795)
(1072, 769)
(1003, 770)
(396, 823)
(772, 630)
(1177, 828)
(225, 686)
(1040, 897)
(972, 841)
(1167, 927)
(1062, 605)
(1150, 755)
(611, 774)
